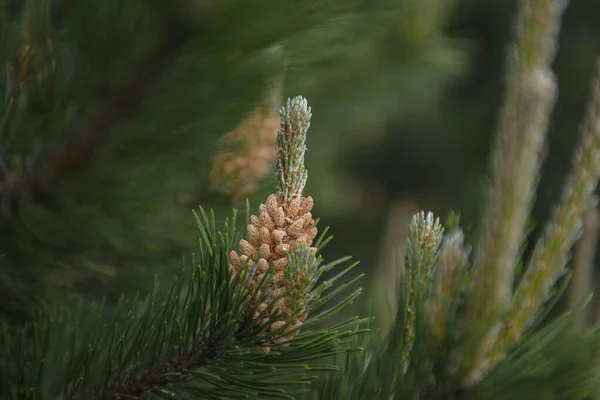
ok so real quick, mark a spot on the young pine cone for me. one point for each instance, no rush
(246, 155)
(280, 227)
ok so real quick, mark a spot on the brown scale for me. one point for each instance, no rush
(278, 228)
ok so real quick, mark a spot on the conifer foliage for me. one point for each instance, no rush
(251, 315)
(228, 326)
(471, 327)
(111, 114)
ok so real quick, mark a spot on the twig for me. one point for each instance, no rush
(160, 376)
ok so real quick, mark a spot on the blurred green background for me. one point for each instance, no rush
(404, 94)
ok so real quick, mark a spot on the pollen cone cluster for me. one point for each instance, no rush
(280, 227)
(246, 155)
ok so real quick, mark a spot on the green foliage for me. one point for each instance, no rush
(111, 113)
(137, 94)
(488, 342)
(198, 338)
(553, 363)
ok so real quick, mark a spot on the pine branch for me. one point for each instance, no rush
(555, 362)
(549, 257)
(529, 99)
(91, 133)
(199, 338)
(230, 326)
(487, 347)
(422, 244)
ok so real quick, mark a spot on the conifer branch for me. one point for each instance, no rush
(529, 99)
(229, 326)
(549, 257)
(201, 337)
(481, 317)
(92, 132)
(424, 238)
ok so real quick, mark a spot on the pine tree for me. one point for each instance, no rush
(252, 317)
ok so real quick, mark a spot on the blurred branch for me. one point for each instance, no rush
(547, 263)
(85, 138)
(530, 95)
(583, 266)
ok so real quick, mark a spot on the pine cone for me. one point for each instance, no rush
(278, 228)
(246, 155)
